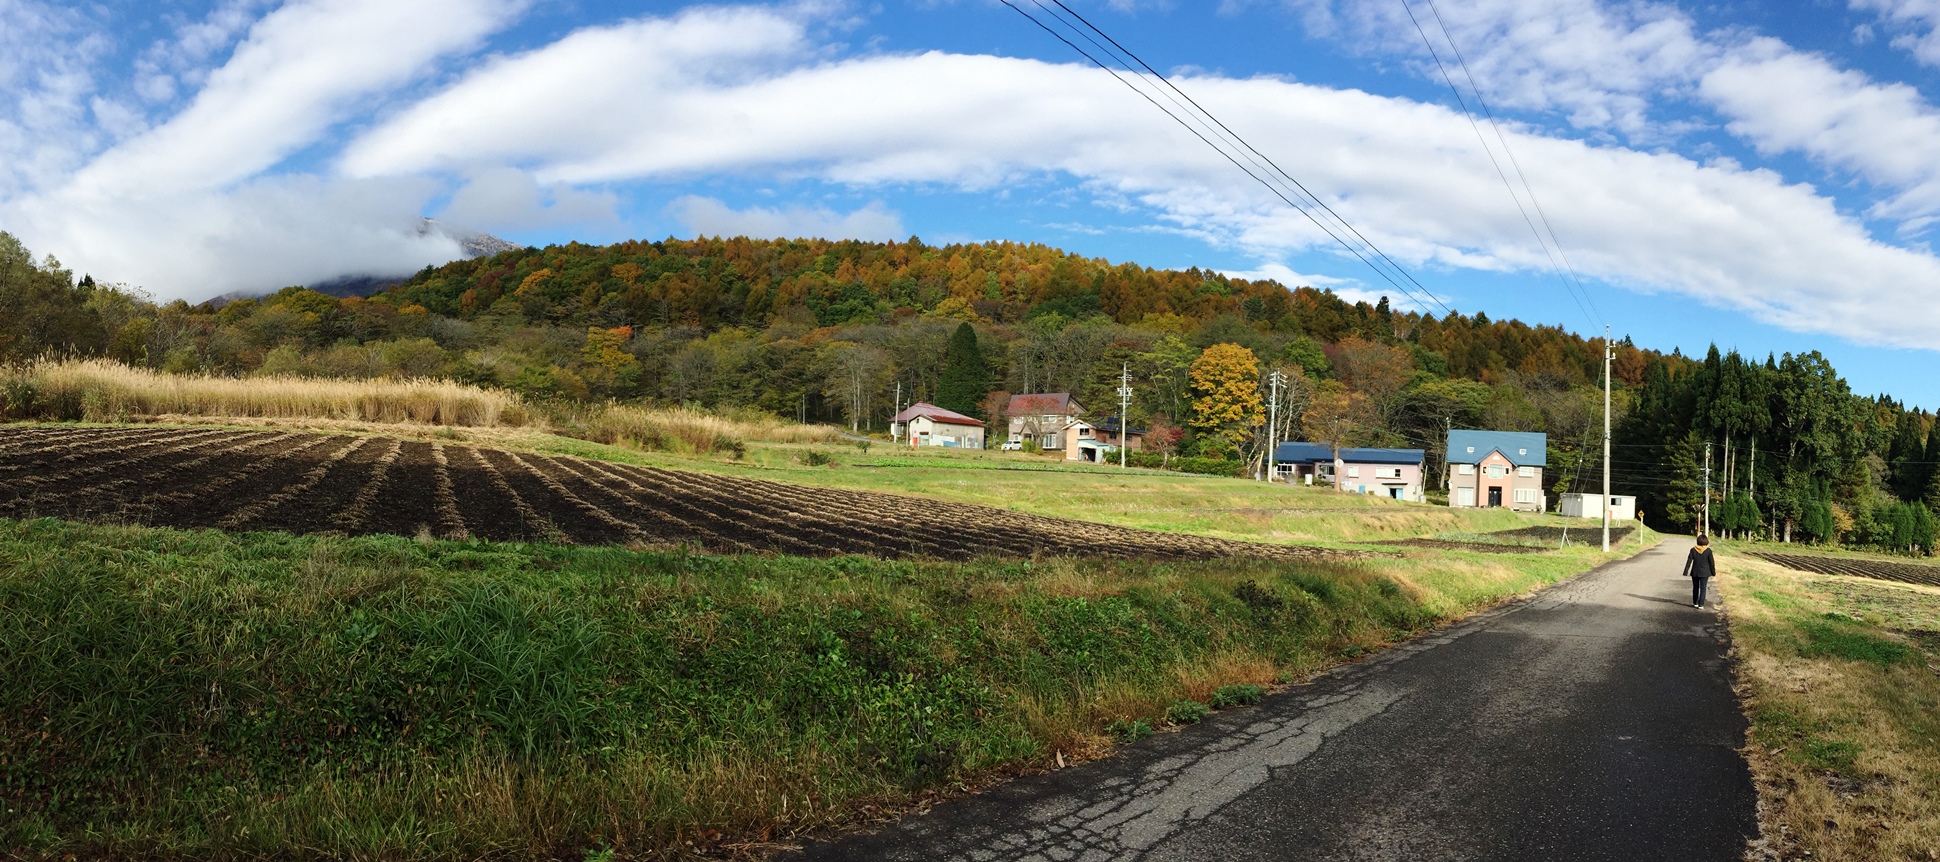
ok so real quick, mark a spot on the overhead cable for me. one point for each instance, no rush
(1214, 133)
(1565, 272)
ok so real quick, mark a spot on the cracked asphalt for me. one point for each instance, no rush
(1592, 721)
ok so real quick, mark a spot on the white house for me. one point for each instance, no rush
(925, 424)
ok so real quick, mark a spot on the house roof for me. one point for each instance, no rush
(1111, 424)
(935, 414)
(1042, 402)
(1522, 448)
(1306, 453)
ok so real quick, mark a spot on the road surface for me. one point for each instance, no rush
(1592, 721)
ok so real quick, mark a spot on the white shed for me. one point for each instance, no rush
(1622, 508)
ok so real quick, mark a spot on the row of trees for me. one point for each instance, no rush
(832, 331)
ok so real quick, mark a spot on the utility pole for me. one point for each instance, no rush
(1707, 488)
(1606, 438)
(1273, 421)
(1124, 412)
(892, 417)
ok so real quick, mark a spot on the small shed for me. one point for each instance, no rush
(1622, 508)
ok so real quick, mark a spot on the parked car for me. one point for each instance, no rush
(1012, 445)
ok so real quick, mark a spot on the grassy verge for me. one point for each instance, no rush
(1844, 698)
(215, 696)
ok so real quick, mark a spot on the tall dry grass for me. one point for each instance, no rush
(681, 429)
(99, 390)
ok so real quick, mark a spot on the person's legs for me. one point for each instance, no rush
(1697, 590)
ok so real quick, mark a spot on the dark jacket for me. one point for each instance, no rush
(1700, 564)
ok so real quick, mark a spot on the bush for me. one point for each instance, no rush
(1185, 712)
(1242, 694)
(1129, 729)
(816, 458)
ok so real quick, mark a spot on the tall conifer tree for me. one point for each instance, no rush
(965, 378)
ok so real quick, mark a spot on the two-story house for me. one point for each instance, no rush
(1050, 419)
(1497, 469)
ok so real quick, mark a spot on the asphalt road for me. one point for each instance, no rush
(1592, 721)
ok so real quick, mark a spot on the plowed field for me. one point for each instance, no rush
(304, 482)
(1879, 570)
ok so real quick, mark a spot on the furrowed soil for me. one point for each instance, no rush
(310, 483)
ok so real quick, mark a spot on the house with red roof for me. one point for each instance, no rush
(925, 424)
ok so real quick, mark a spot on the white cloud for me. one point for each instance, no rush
(710, 217)
(507, 199)
(1917, 22)
(1783, 100)
(46, 90)
(1602, 65)
(303, 68)
(187, 209)
(1408, 174)
(262, 234)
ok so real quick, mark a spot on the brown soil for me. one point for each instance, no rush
(1879, 570)
(303, 482)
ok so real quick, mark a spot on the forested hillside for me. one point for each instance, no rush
(833, 331)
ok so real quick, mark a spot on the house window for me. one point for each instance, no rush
(1525, 495)
(1526, 472)
(1522, 451)
(1465, 469)
(1471, 450)
(1497, 471)
(1465, 497)
(1353, 472)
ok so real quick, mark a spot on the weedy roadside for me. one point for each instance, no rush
(1842, 687)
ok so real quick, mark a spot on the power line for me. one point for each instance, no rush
(1592, 311)
(1367, 252)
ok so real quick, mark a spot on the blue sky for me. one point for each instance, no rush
(1765, 176)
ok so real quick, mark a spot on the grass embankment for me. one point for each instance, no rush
(1843, 694)
(208, 695)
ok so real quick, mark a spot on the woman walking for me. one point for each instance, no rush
(1699, 567)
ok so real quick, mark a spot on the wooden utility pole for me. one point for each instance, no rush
(1606, 438)
(1707, 489)
(1124, 411)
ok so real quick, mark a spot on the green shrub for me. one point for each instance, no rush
(1128, 730)
(1241, 694)
(815, 458)
(1185, 712)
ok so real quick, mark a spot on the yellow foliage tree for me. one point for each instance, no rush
(1338, 416)
(1226, 389)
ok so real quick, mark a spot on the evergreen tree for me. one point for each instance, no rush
(965, 379)
(1905, 457)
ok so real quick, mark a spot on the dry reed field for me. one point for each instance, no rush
(101, 390)
(300, 482)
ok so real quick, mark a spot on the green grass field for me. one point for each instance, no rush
(185, 694)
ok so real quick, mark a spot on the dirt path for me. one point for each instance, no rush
(1593, 721)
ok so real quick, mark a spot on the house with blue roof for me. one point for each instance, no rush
(1395, 473)
(1497, 469)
